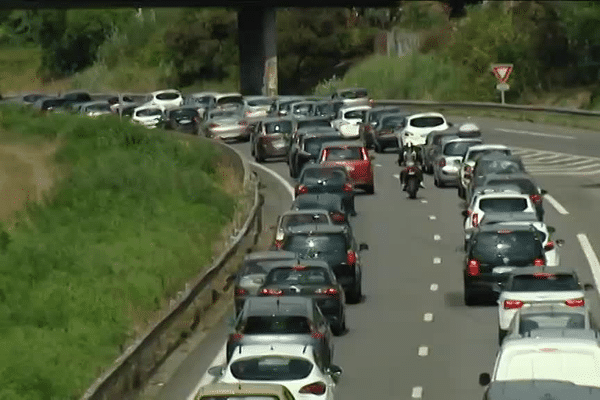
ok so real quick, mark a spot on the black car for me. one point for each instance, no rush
(183, 119)
(306, 148)
(372, 116)
(327, 179)
(313, 279)
(252, 273)
(539, 390)
(291, 319)
(313, 122)
(493, 252)
(292, 218)
(332, 245)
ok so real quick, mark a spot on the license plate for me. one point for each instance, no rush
(503, 270)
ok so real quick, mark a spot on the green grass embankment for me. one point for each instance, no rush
(134, 217)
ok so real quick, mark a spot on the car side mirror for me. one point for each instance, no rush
(549, 246)
(551, 229)
(465, 213)
(485, 379)
(335, 372)
(560, 242)
(588, 286)
(216, 371)
(363, 246)
(543, 191)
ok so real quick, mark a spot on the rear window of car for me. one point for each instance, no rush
(354, 94)
(271, 368)
(343, 153)
(518, 248)
(240, 397)
(551, 321)
(356, 114)
(313, 145)
(501, 167)
(426, 122)
(525, 185)
(259, 102)
(506, 204)
(333, 176)
(458, 149)
(230, 99)
(282, 324)
(314, 245)
(316, 122)
(273, 128)
(303, 219)
(180, 114)
(393, 122)
(298, 276)
(543, 282)
(168, 96)
(148, 112)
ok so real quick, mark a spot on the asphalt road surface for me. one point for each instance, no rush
(412, 336)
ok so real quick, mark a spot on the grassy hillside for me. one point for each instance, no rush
(134, 216)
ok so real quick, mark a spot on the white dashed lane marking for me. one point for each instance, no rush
(434, 287)
(417, 392)
(423, 351)
(432, 217)
(428, 317)
(437, 260)
(424, 201)
(437, 237)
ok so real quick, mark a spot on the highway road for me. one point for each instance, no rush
(412, 336)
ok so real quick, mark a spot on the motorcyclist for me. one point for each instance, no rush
(411, 161)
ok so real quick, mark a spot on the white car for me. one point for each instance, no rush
(166, 99)
(257, 107)
(349, 119)
(148, 115)
(203, 100)
(532, 285)
(557, 359)
(229, 100)
(418, 126)
(496, 202)
(295, 366)
(468, 162)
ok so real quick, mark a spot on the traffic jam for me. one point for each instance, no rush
(290, 301)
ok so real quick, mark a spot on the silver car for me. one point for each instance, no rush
(446, 166)
(293, 218)
(226, 124)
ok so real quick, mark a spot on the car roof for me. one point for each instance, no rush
(149, 106)
(309, 262)
(498, 156)
(508, 177)
(165, 91)
(535, 343)
(329, 136)
(351, 89)
(489, 146)
(269, 255)
(260, 389)
(313, 118)
(318, 229)
(186, 107)
(539, 389)
(355, 108)
(460, 140)
(285, 305)
(501, 195)
(228, 94)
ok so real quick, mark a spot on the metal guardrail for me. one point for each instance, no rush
(468, 104)
(136, 365)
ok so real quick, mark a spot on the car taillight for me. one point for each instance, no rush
(473, 268)
(536, 198)
(279, 243)
(539, 262)
(549, 246)
(351, 257)
(475, 219)
(512, 304)
(442, 163)
(338, 217)
(271, 292)
(348, 187)
(240, 292)
(575, 302)
(314, 388)
(237, 336)
(301, 190)
(327, 291)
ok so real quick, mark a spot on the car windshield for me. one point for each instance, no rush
(275, 324)
(458, 149)
(518, 248)
(356, 114)
(298, 276)
(551, 321)
(168, 96)
(393, 122)
(505, 204)
(543, 282)
(426, 122)
(291, 220)
(183, 114)
(525, 185)
(354, 94)
(343, 153)
(321, 175)
(476, 153)
(271, 368)
(230, 99)
(315, 245)
(148, 112)
(273, 128)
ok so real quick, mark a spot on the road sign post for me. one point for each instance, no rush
(502, 72)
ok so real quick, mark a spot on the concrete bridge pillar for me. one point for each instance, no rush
(257, 30)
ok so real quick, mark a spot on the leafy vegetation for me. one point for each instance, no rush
(134, 218)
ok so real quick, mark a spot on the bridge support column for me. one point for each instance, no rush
(257, 37)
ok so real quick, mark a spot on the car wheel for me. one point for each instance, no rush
(470, 298)
(436, 182)
(338, 328)
(259, 157)
(461, 191)
(501, 335)
(370, 189)
(378, 148)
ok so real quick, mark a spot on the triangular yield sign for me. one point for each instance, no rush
(502, 72)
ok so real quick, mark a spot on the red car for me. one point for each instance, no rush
(355, 158)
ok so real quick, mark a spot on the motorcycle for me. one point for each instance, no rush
(413, 181)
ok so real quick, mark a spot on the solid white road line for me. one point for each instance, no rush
(535, 133)
(434, 287)
(280, 178)
(556, 204)
(423, 351)
(417, 392)
(220, 359)
(428, 317)
(592, 259)
(437, 260)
